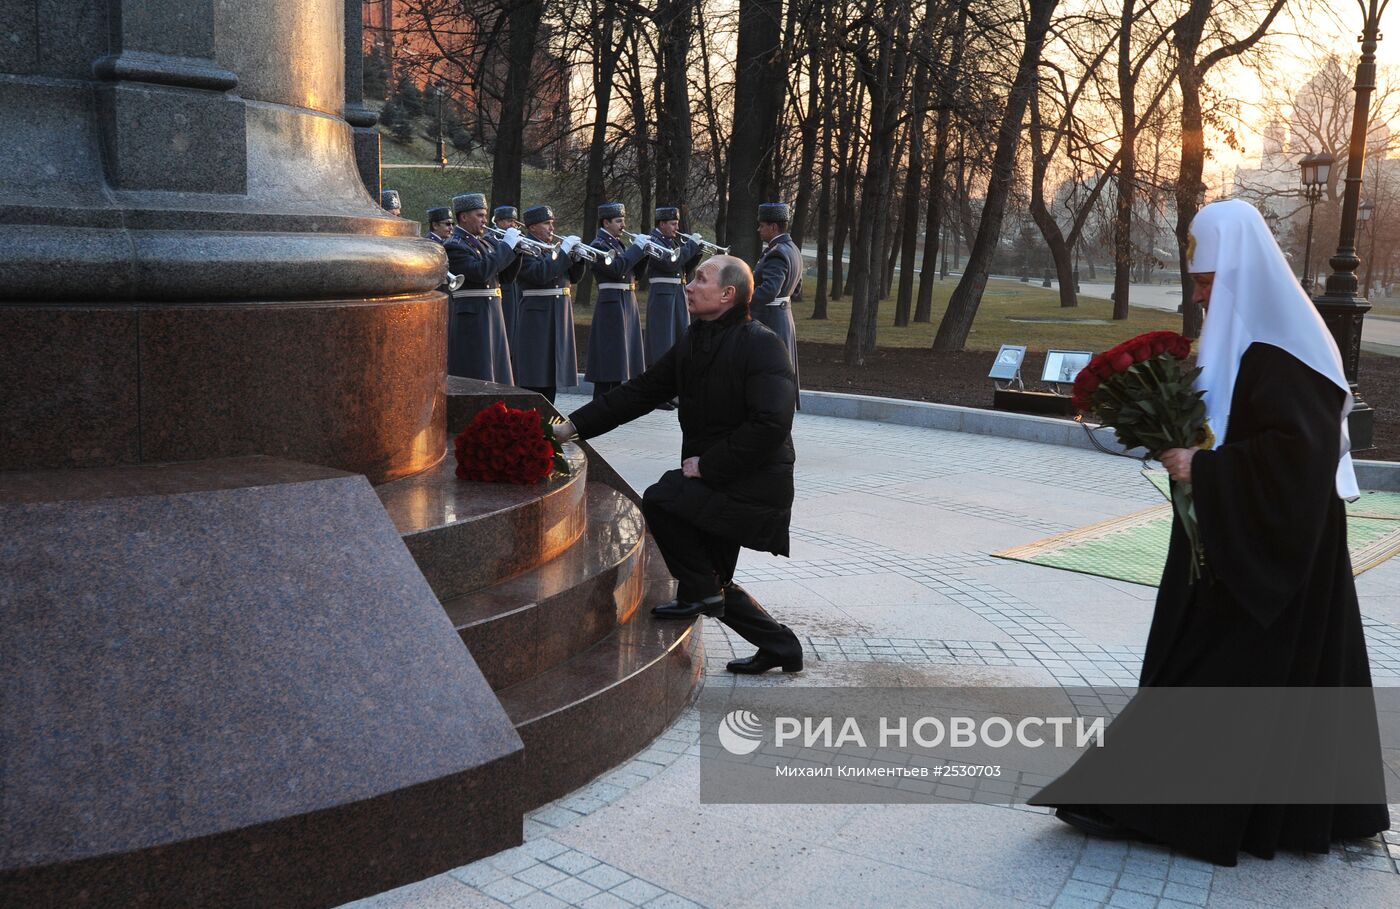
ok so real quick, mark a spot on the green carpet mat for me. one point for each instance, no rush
(1134, 547)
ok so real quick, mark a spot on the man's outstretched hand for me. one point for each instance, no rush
(565, 431)
(690, 467)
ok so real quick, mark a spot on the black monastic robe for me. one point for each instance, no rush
(1276, 608)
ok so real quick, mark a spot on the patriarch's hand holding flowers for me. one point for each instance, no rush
(1145, 391)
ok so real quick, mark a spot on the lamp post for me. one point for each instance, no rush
(1317, 171)
(1342, 308)
(1365, 213)
(438, 90)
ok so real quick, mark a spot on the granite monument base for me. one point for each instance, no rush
(228, 684)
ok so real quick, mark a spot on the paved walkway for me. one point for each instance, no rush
(891, 584)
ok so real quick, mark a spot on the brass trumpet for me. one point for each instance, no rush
(713, 249)
(583, 251)
(528, 245)
(652, 248)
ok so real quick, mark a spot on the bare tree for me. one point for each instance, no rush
(967, 296)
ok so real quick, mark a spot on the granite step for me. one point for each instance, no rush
(527, 624)
(600, 707)
(466, 536)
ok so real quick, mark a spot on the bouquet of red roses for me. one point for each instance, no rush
(1143, 389)
(505, 445)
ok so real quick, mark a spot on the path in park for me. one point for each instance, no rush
(891, 584)
(1376, 330)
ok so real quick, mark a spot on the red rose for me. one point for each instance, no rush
(1121, 360)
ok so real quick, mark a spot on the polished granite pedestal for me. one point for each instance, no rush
(227, 683)
(550, 588)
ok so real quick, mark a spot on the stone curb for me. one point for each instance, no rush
(1380, 475)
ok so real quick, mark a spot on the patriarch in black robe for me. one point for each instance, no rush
(1276, 606)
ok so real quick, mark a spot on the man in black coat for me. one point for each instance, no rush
(737, 393)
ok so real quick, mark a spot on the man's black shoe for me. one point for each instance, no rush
(1091, 820)
(668, 405)
(676, 609)
(763, 661)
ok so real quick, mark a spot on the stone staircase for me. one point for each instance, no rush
(548, 587)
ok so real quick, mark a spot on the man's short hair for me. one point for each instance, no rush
(735, 273)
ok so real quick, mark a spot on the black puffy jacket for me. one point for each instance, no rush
(734, 382)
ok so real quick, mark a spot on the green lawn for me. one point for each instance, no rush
(1002, 303)
(421, 189)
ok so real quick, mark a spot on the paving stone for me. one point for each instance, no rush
(1086, 891)
(512, 860)
(508, 890)
(605, 901)
(604, 877)
(572, 891)
(478, 874)
(540, 901)
(637, 891)
(1185, 893)
(572, 861)
(543, 848)
(1124, 899)
(541, 876)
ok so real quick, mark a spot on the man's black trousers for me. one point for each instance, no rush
(703, 566)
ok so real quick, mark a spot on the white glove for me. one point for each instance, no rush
(511, 237)
(639, 241)
(568, 244)
(565, 431)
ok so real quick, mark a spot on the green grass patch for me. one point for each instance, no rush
(422, 188)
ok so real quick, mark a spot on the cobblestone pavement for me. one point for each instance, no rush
(891, 584)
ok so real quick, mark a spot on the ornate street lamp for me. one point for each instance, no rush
(1317, 171)
(1366, 212)
(1342, 308)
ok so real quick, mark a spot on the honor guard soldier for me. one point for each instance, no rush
(542, 344)
(389, 201)
(505, 217)
(777, 276)
(615, 351)
(440, 224)
(667, 317)
(477, 344)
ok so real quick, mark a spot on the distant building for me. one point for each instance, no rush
(449, 52)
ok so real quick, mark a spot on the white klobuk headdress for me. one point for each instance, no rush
(1256, 298)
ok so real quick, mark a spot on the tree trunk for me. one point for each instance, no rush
(673, 127)
(810, 128)
(604, 66)
(1049, 227)
(1127, 168)
(641, 136)
(712, 124)
(758, 105)
(884, 80)
(510, 133)
(913, 185)
(823, 228)
(962, 306)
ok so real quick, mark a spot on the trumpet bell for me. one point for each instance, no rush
(455, 282)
